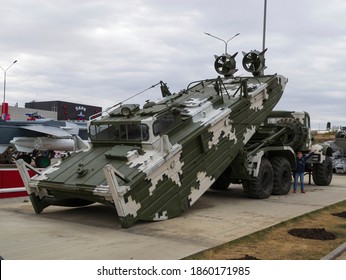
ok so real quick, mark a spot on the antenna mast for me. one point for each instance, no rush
(264, 25)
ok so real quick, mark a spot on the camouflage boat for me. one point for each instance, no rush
(154, 162)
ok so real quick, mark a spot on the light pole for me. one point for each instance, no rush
(226, 42)
(5, 71)
(4, 104)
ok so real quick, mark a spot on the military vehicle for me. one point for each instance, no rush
(299, 137)
(153, 162)
(265, 164)
(339, 156)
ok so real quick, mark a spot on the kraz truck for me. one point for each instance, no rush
(153, 162)
(265, 165)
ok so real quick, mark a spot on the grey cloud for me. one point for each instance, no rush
(104, 51)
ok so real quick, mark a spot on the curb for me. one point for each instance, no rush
(335, 253)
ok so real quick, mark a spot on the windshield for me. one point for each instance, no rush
(119, 132)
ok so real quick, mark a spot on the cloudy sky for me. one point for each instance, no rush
(101, 52)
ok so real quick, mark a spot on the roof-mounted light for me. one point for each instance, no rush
(125, 110)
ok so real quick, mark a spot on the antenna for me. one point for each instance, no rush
(264, 25)
(226, 42)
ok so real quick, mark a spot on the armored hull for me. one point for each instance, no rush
(153, 163)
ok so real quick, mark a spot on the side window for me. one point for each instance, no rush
(138, 132)
(163, 123)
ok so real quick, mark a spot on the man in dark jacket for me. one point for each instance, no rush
(299, 172)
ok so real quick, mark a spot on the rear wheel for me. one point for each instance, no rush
(322, 173)
(282, 175)
(262, 186)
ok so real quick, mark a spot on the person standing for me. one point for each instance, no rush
(300, 170)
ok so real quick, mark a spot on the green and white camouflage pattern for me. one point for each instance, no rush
(152, 163)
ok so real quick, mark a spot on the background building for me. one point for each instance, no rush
(66, 110)
(20, 114)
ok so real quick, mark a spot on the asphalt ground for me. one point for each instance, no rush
(93, 232)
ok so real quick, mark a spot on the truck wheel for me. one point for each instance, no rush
(322, 173)
(262, 186)
(282, 175)
(296, 134)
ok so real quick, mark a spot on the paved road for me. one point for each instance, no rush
(94, 232)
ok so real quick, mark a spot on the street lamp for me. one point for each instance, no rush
(4, 107)
(226, 42)
(5, 71)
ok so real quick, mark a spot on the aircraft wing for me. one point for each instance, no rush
(50, 130)
(3, 148)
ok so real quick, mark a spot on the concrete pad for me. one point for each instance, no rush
(93, 232)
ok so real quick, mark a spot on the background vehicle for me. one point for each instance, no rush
(339, 157)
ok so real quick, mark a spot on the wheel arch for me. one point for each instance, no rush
(285, 152)
(323, 148)
(278, 151)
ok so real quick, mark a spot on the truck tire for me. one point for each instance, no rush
(262, 186)
(322, 173)
(282, 175)
(296, 135)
